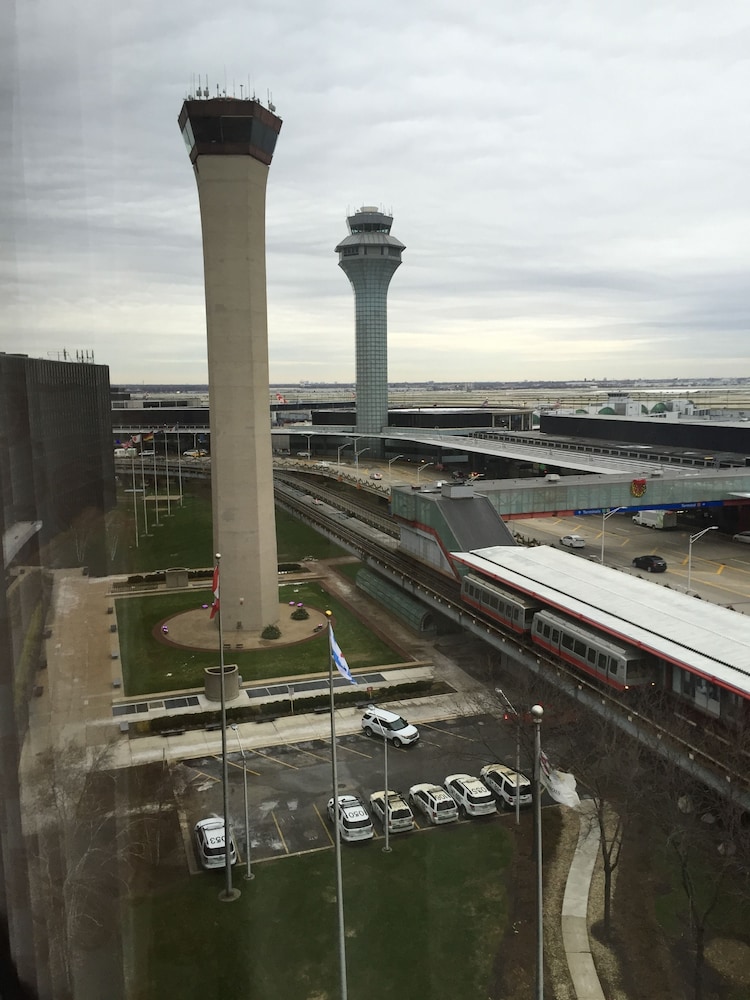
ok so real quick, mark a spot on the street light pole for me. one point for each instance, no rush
(537, 712)
(387, 848)
(605, 515)
(229, 893)
(506, 699)
(421, 468)
(356, 456)
(339, 450)
(694, 538)
(248, 870)
(391, 461)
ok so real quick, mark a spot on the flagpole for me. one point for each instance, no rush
(135, 498)
(156, 484)
(143, 491)
(537, 713)
(166, 469)
(228, 894)
(337, 832)
(179, 461)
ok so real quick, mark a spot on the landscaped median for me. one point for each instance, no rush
(150, 665)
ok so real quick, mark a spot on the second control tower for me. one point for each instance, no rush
(369, 256)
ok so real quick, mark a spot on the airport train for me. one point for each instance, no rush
(583, 639)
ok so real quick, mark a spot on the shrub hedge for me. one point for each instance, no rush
(287, 706)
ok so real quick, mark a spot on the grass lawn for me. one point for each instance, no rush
(148, 665)
(423, 921)
(185, 538)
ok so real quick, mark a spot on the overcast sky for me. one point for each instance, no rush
(571, 181)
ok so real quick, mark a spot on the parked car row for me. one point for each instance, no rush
(460, 795)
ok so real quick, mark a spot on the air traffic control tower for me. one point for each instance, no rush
(231, 142)
(369, 257)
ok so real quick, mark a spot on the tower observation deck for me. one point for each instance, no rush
(231, 142)
(369, 257)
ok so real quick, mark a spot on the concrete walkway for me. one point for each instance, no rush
(575, 908)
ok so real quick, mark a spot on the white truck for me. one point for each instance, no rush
(126, 452)
(656, 518)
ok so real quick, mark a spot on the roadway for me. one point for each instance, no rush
(719, 571)
(719, 567)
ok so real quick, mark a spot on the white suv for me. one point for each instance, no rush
(400, 816)
(506, 784)
(472, 796)
(435, 803)
(380, 722)
(354, 821)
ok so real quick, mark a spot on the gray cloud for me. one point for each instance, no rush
(570, 183)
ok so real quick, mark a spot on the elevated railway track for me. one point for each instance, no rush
(718, 759)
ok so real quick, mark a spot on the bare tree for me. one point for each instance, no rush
(87, 848)
(608, 765)
(115, 524)
(707, 837)
(85, 528)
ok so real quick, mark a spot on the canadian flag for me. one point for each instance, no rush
(215, 589)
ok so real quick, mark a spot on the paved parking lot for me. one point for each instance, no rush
(289, 785)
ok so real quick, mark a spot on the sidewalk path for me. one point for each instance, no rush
(575, 908)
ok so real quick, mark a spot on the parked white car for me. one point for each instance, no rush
(354, 820)
(400, 816)
(210, 843)
(573, 541)
(742, 536)
(436, 804)
(506, 784)
(381, 722)
(471, 795)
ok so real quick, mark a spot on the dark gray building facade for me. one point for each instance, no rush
(56, 467)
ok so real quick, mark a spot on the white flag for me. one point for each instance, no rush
(560, 785)
(339, 659)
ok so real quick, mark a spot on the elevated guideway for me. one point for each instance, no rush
(506, 448)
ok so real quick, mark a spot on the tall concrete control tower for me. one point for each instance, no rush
(231, 142)
(369, 257)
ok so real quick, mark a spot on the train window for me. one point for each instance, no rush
(591, 656)
(515, 614)
(567, 642)
(493, 602)
(555, 636)
(580, 648)
(602, 662)
(614, 667)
